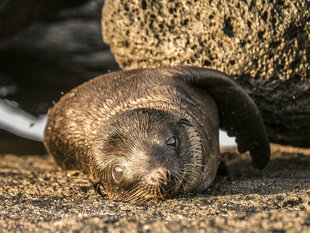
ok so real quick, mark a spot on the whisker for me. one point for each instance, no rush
(194, 165)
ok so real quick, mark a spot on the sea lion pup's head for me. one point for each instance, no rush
(142, 155)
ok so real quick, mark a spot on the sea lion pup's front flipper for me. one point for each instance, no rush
(238, 113)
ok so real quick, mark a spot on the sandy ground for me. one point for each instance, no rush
(38, 197)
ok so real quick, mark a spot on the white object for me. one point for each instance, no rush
(21, 123)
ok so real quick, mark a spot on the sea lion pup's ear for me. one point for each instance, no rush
(238, 113)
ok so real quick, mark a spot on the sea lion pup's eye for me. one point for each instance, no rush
(117, 173)
(172, 141)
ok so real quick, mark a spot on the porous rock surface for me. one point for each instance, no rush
(264, 45)
(259, 38)
(35, 196)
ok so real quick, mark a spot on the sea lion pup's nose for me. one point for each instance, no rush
(160, 175)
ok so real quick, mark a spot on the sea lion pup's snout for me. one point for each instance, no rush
(140, 156)
(160, 175)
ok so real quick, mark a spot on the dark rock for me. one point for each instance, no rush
(10, 143)
(53, 55)
(16, 15)
(264, 45)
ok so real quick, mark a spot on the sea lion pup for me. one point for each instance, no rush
(153, 133)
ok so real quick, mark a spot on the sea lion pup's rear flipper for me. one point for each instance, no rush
(238, 113)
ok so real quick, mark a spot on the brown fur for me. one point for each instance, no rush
(125, 118)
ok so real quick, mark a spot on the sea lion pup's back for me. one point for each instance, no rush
(153, 133)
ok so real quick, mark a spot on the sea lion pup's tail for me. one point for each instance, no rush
(238, 114)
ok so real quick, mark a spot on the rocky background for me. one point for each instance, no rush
(47, 48)
(263, 45)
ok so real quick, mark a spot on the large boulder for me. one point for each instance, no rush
(264, 45)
